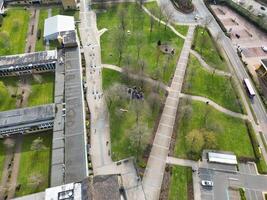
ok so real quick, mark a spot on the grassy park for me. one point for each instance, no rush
(181, 179)
(13, 32)
(130, 119)
(40, 45)
(205, 45)
(34, 170)
(130, 42)
(217, 88)
(8, 88)
(223, 132)
(41, 91)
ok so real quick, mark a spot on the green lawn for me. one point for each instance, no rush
(123, 124)
(42, 92)
(14, 31)
(40, 45)
(181, 178)
(205, 45)
(8, 86)
(138, 25)
(231, 133)
(217, 88)
(34, 162)
(154, 9)
(2, 157)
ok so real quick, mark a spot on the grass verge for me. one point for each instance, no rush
(217, 88)
(205, 45)
(33, 163)
(181, 183)
(40, 44)
(231, 134)
(13, 32)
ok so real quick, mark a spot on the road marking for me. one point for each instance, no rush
(165, 125)
(163, 135)
(160, 146)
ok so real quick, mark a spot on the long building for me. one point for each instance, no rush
(27, 120)
(37, 62)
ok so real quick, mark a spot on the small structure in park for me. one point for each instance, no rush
(222, 158)
(57, 26)
(166, 48)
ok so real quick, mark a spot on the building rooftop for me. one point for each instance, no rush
(69, 37)
(76, 167)
(28, 58)
(26, 115)
(58, 24)
(264, 63)
(106, 187)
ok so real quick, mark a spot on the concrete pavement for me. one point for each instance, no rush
(214, 105)
(154, 172)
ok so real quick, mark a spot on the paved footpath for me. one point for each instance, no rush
(157, 160)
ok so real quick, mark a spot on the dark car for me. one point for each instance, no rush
(263, 8)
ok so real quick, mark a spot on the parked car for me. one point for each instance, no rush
(263, 8)
(264, 48)
(206, 183)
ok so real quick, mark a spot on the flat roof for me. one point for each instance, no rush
(222, 158)
(58, 24)
(26, 115)
(264, 63)
(28, 58)
(76, 166)
(68, 191)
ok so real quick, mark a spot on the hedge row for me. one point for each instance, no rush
(262, 167)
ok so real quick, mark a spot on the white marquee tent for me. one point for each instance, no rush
(56, 25)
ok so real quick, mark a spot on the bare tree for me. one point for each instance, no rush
(152, 20)
(36, 180)
(162, 9)
(139, 43)
(38, 144)
(9, 143)
(122, 14)
(114, 93)
(169, 17)
(119, 43)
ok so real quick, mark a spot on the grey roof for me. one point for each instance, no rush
(69, 37)
(26, 115)
(28, 58)
(264, 63)
(75, 134)
(1, 3)
(106, 187)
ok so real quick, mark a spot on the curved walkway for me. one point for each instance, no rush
(137, 76)
(162, 22)
(207, 67)
(214, 105)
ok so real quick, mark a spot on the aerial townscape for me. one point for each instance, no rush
(133, 99)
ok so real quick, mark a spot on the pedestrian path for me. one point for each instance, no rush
(137, 76)
(214, 105)
(207, 67)
(156, 164)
